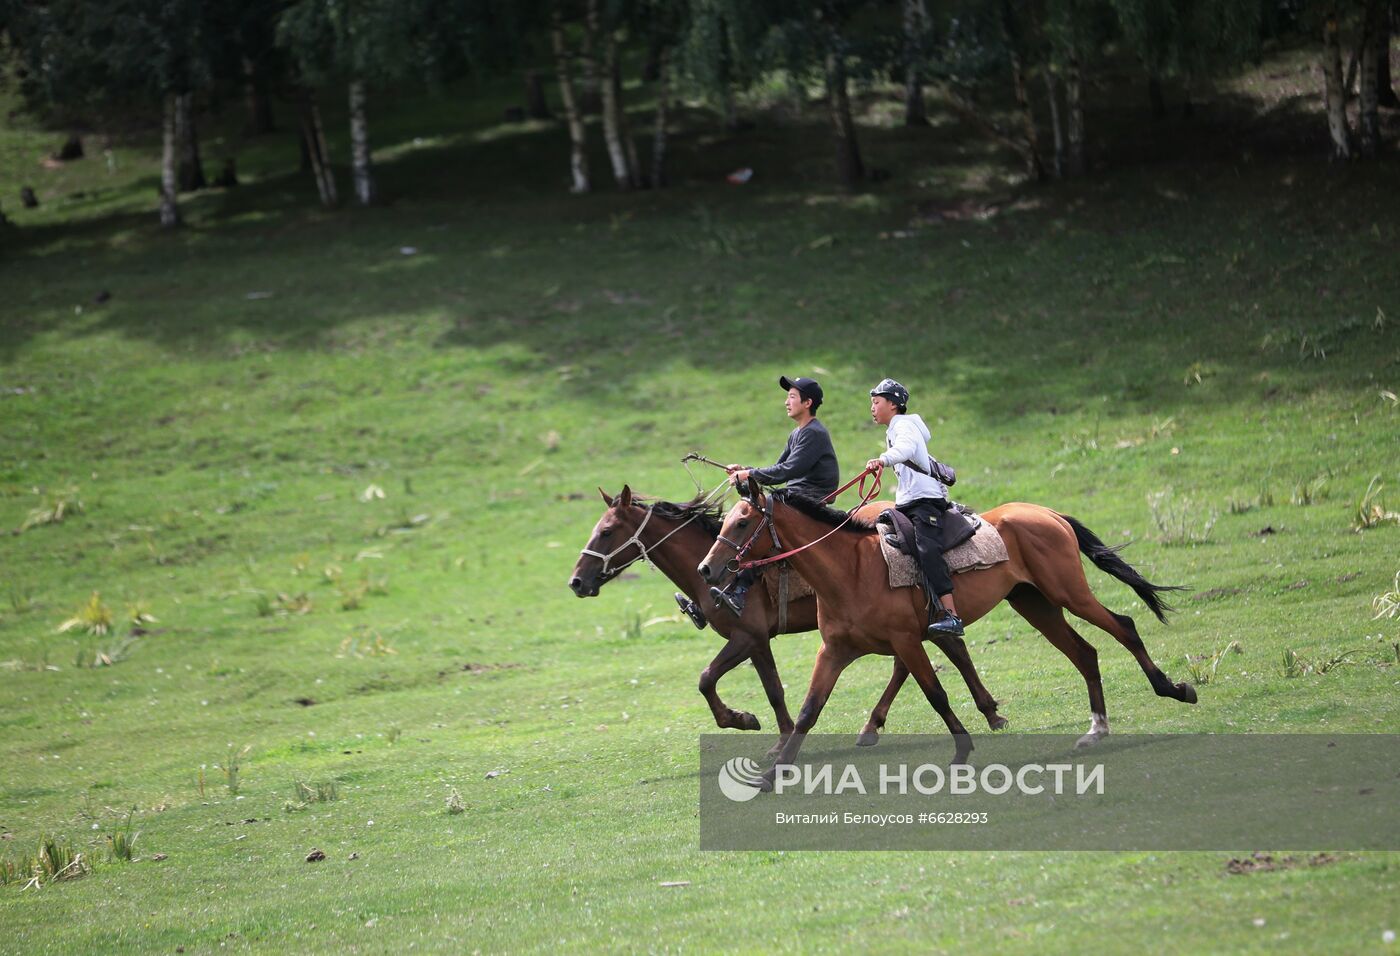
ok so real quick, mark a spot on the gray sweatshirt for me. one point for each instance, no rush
(808, 463)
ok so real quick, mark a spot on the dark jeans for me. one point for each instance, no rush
(927, 516)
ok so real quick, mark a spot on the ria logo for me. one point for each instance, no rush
(740, 779)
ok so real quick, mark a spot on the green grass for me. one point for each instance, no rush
(1208, 329)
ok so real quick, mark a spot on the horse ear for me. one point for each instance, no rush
(606, 500)
(747, 489)
(624, 499)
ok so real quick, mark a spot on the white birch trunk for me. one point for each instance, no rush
(169, 209)
(359, 145)
(1334, 92)
(612, 133)
(314, 135)
(578, 154)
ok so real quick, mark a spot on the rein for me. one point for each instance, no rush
(737, 563)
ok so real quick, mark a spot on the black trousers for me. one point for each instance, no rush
(927, 516)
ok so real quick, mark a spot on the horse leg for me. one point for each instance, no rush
(1050, 621)
(773, 686)
(736, 650)
(870, 733)
(910, 650)
(1083, 604)
(831, 661)
(955, 649)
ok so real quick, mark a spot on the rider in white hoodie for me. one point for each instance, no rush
(920, 496)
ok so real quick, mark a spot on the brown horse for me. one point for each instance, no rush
(858, 613)
(674, 537)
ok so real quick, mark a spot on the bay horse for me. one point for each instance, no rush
(674, 537)
(858, 613)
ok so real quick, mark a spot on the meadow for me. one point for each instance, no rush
(328, 472)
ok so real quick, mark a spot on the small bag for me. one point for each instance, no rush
(944, 473)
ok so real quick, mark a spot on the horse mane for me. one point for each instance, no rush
(824, 513)
(708, 515)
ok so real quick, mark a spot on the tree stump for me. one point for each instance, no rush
(72, 148)
(228, 177)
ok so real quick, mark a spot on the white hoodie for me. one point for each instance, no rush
(907, 437)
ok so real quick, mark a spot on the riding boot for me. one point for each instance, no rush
(949, 625)
(733, 599)
(692, 611)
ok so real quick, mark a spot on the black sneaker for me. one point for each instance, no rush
(732, 600)
(692, 611)
(949, 625)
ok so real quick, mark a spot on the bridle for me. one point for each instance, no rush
(737, 563)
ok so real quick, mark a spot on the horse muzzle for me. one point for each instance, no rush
(582, 589)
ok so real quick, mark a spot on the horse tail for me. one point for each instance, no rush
(1106, 559)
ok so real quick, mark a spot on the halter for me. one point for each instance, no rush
(643, 552)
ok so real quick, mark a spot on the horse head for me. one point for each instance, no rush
(602, 559)
(740, 536)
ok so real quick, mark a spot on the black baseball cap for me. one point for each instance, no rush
(806, 387)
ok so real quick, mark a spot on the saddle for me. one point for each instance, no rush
(978, 546)
(959, 523)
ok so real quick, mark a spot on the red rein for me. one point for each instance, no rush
(865, 499)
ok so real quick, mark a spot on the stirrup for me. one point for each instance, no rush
(949, 625)
(692, 611)
(730, 601)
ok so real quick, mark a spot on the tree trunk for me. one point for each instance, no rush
(969, 112)
(535, 105)
(612, 127)
(258, 99)
(359, 145)
(169, 210)
(1334, 91)
(578, 145)
(1030, 153)
(591, 95)
(624, 125)
(728, 106)
(314, 135)
(1075, 163)
(1052, 94)
(849, 169)
(1154, 96)
(189, 174)
(1030, 149)
(1385, 91)
(915, 23)
(1369, 117)
(658, 131)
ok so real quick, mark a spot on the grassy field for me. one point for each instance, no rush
(350, 483)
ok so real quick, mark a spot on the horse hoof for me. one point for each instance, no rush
(868, 738)
(765, 783)
(1187, 692)
(997, 722)
(745, 721)
(1088, 740)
